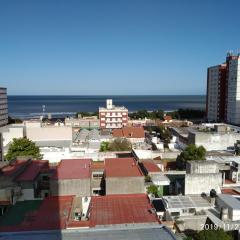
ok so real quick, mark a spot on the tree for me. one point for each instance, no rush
(213, 235)
(104, 146)
(23, 147)
(120, 144)
(153, 189)
(191, 153)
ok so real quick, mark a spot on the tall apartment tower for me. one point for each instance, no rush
(216, 93)
(113, 116)
(223, 91)
(233, 89)
(3, 107)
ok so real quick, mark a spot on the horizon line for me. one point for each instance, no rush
(102, 95)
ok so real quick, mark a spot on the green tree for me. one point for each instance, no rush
(23, 147)
(191, 153)
(120, 144)
(104, 147)
(153, 189)
(213, 235)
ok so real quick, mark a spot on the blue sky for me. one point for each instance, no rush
(114, 47)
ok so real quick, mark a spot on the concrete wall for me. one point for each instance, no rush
(124, 185)
(199, 183)
(202, 167)
(49, 133)
(213, 141)
(27, 194)
(194, 222)
(78, 187)
(10, 133)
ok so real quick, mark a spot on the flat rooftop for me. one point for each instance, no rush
(143, 232)
(122, 167)
(72, 169)
(184, 202)
(121, 209)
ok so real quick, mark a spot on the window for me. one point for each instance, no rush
(97, 176)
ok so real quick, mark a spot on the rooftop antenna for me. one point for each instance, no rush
(43, 109)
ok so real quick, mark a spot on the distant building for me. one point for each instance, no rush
(134, 134)
(86, 122)
(48, 135)
(223, 96)
(219, 137)
(3, 107)
(216, 93)
(113, 116)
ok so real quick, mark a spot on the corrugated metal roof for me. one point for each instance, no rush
(122, 167)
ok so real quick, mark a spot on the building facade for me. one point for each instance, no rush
(113, 116)
(223, 91)
(233, 89)
(216, 99)
(3, 107)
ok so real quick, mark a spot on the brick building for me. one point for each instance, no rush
(113, 116)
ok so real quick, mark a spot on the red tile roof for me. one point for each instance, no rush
(121, 209)
(129, 132)
(32, 170)
(122, 167)
(151, 166)
(73, 169)
(167, 118)
(13, 167)
(230, 191)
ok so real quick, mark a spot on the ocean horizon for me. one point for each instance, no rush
(30, 106)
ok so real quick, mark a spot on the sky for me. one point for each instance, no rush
(99, 47)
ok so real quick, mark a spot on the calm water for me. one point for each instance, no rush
(30, 106)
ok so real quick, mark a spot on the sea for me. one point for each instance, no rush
(25, 107)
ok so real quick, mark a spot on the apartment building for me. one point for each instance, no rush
(223, 91)
(216, 93)
(233, 89)
(3, 107)
(113, 116)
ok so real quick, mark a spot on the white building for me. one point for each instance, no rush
(113, 116)
(49, 135)
(3, 107)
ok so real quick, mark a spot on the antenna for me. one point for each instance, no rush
(43, 109)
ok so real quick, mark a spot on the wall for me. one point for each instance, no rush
(199, 183)
(202, 167)
(10, 133)
(124, 185)
(27, 194)
(214, 141)
(49, 133)
(78, 187)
